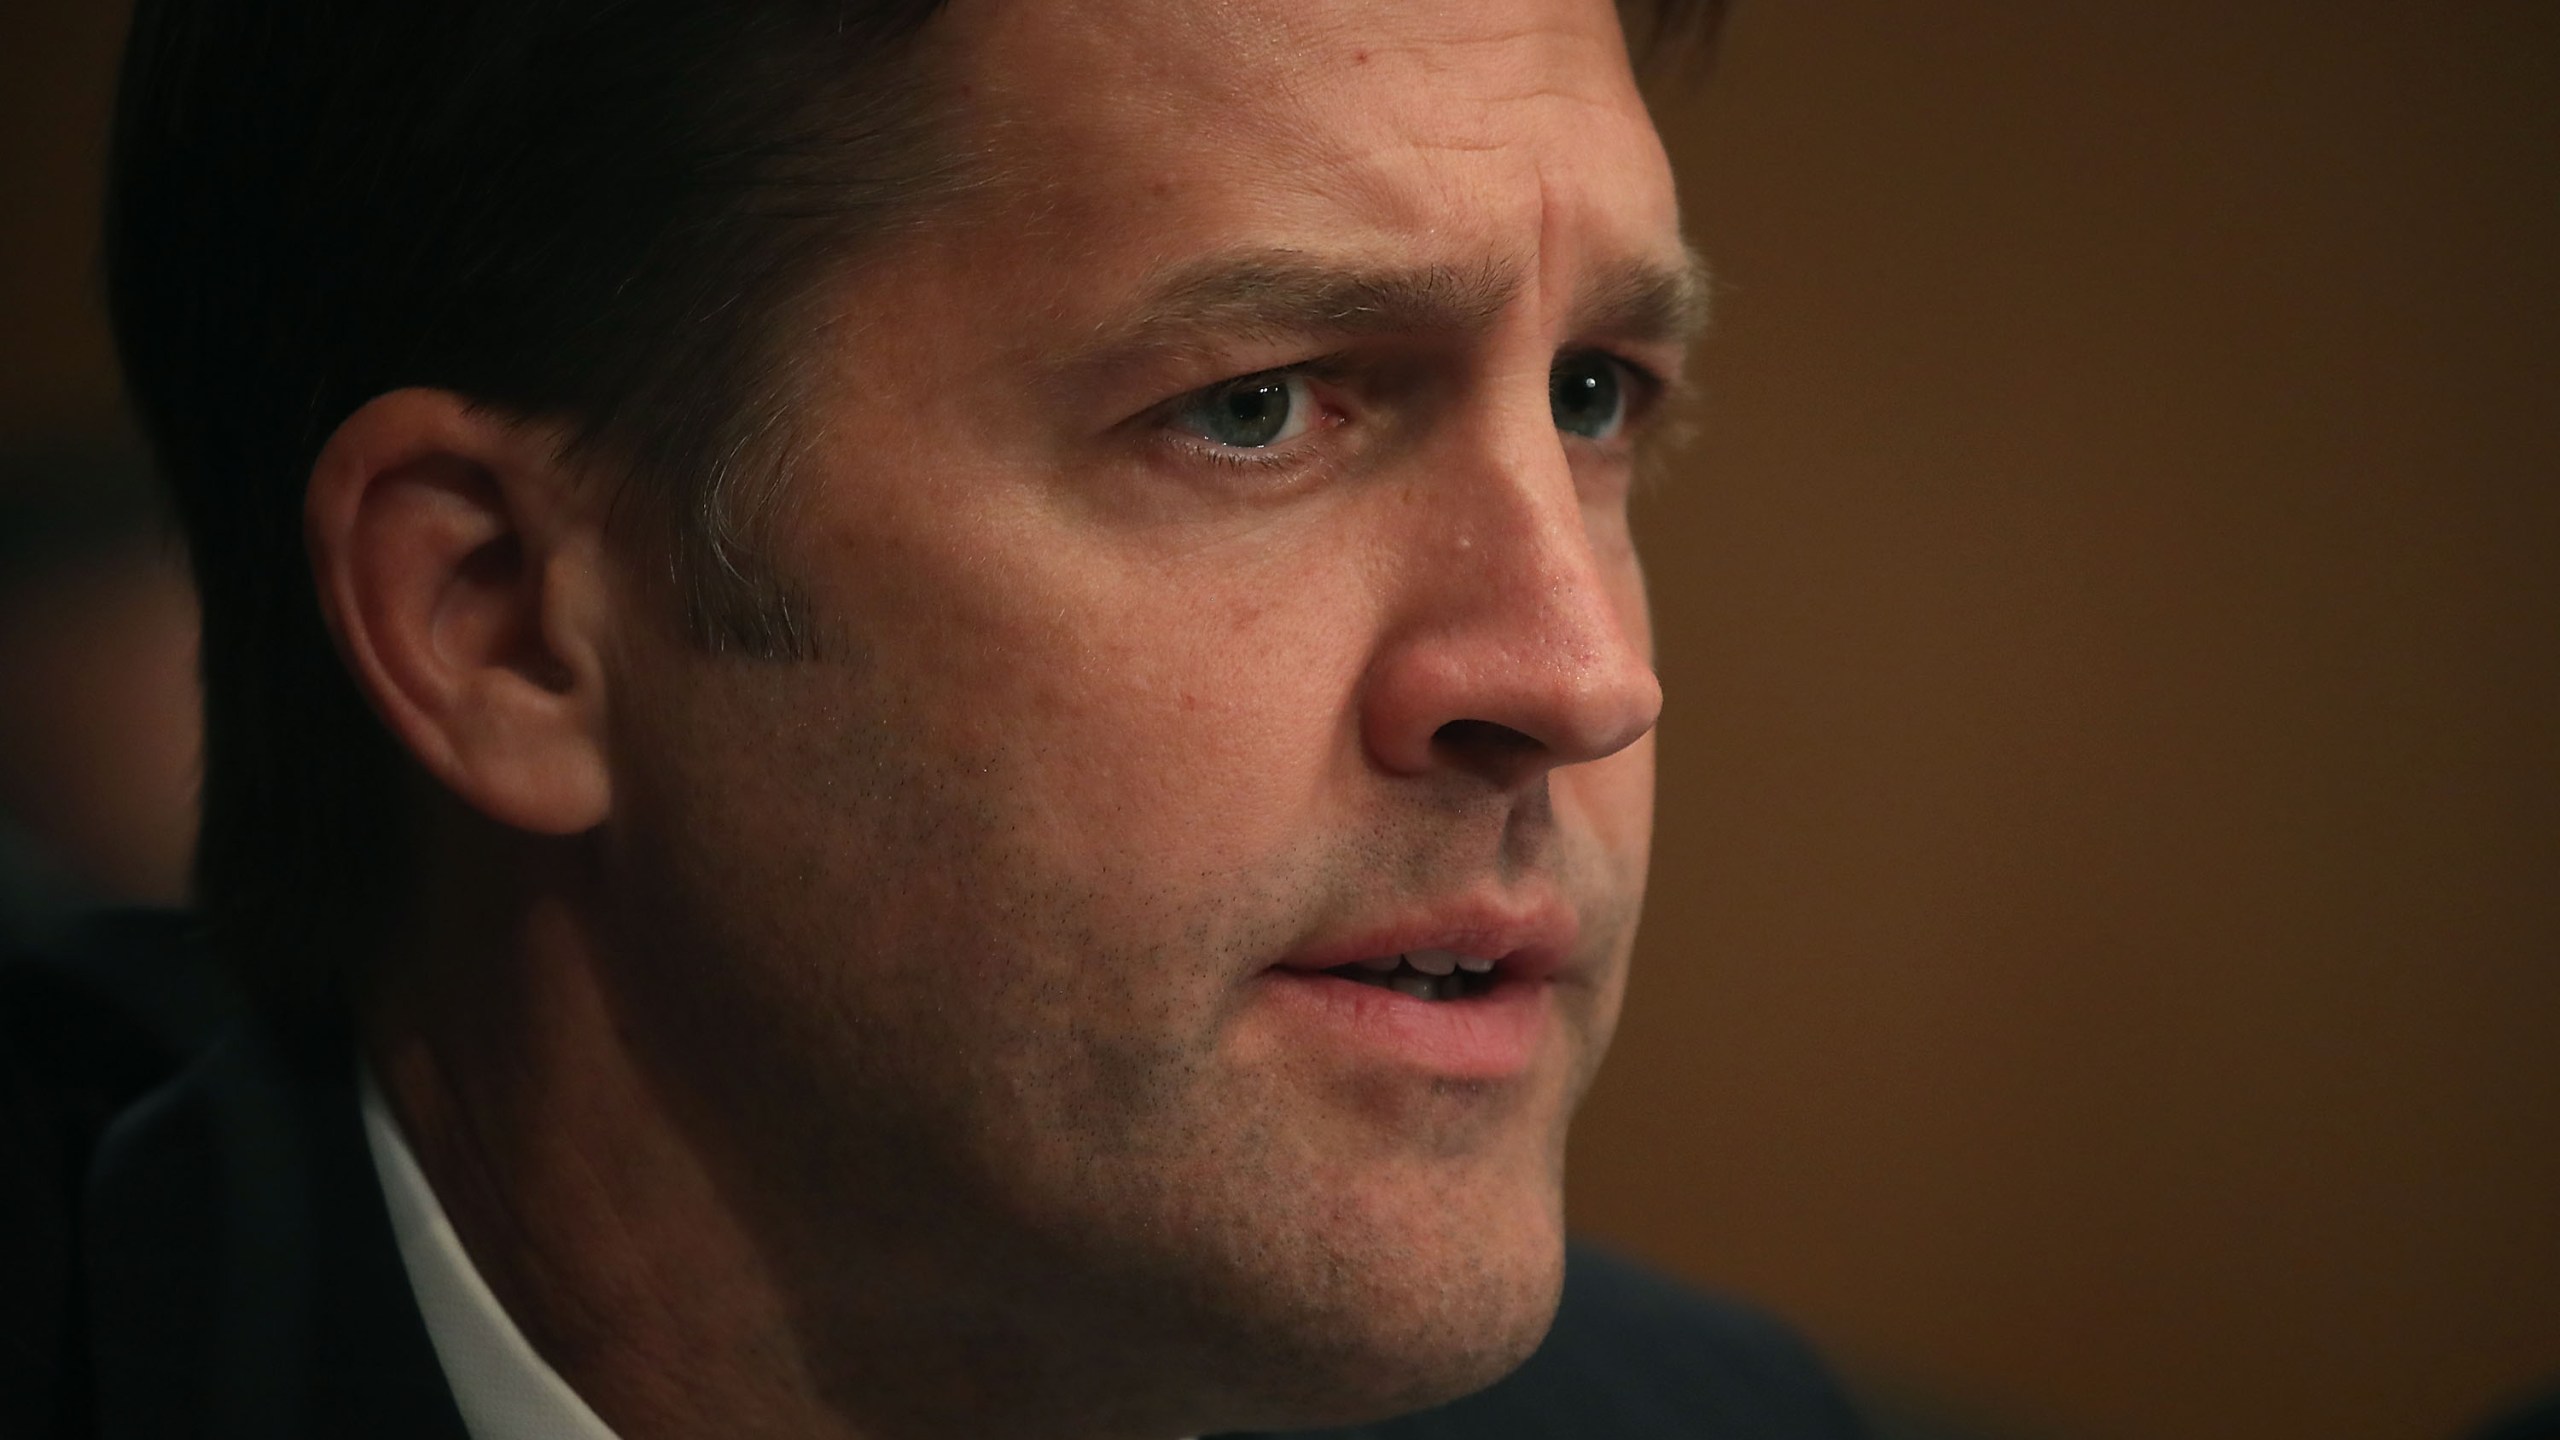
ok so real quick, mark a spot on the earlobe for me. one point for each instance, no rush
(460, 571)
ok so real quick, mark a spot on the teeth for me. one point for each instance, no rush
(1433, 962)
(1423, 974)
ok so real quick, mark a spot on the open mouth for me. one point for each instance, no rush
(1424, 974)
(1465, 1002)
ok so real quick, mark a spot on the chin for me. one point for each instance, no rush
(1498, 1323)
(1393, 1324)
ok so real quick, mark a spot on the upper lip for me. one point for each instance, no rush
(1528, 939)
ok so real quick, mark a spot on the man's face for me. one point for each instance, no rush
(993, 949)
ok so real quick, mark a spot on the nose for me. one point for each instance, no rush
(1520, 642)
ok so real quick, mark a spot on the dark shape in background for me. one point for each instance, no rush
(98, 736)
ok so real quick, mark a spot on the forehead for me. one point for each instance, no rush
(1136, 136)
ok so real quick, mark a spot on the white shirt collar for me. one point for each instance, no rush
(504, 1390)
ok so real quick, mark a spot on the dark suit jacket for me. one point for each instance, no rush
(202, 1250)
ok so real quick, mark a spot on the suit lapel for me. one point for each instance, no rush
(242, 1276)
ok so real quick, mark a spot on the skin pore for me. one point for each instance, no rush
(889, 1044)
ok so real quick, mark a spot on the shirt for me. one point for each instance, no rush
(504, 1390)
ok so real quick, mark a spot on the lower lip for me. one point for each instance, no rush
(1492, 1036)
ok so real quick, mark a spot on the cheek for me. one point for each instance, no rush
(1198, 724)
(1610, 803)
(1614, 796)
(1112, 705)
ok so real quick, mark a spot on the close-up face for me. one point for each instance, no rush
(1216, 525)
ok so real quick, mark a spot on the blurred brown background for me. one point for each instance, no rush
(2104, 976)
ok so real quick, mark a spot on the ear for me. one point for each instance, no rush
(460, 566)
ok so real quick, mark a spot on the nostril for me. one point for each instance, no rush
(1486, 746)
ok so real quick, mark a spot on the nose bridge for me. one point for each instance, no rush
(1524, 639)
(1543, 590)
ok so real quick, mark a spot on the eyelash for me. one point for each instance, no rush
(1327, 369)
(1645, 389)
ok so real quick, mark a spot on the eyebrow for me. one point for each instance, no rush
(1647, 301)
(1288, 294)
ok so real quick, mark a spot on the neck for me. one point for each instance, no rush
(598, 1197)
(603, 1235)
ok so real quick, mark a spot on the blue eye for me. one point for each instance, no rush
(1254, 413)
(1588, 393)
